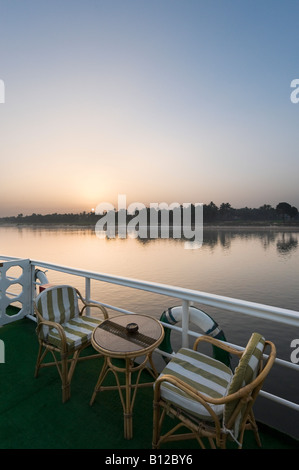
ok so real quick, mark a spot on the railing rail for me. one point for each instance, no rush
(187, 296)
(286, 316)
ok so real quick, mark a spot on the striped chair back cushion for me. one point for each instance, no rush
(58, 304)
(245, 373)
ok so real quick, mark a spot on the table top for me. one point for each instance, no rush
(112, 338)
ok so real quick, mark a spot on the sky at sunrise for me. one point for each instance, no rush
(159, 100)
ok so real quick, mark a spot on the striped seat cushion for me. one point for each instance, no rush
(205, 374)
(78, 332)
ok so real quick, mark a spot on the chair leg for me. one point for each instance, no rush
(103, 373)
(66, 393)
(156, 425)
(249, 424)
(73, 365)
(39, 360)
(65, 372)
(254, 428)
(67, 375)
(212, 443)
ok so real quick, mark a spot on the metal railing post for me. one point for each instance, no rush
(33, 288)
(87, 293)
(185, 324)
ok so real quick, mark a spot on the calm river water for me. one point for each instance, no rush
(259, 265)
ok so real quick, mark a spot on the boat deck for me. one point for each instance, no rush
(33, 416)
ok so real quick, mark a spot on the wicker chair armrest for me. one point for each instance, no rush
(88, 304)
(57, 326)
(218, 343)
(261, 376)
(101, 307)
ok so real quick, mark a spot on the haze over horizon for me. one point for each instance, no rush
(163, 101)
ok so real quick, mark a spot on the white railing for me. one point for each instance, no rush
(187, 296)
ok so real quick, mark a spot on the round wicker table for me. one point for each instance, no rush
(126, 337)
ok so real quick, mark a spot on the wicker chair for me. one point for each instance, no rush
(63, 330)
(207, 397)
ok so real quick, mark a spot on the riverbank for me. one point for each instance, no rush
(219, 225)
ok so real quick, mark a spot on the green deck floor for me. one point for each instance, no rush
(32, 415)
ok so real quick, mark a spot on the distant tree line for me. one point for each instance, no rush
(69, 218)
(282, 213)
